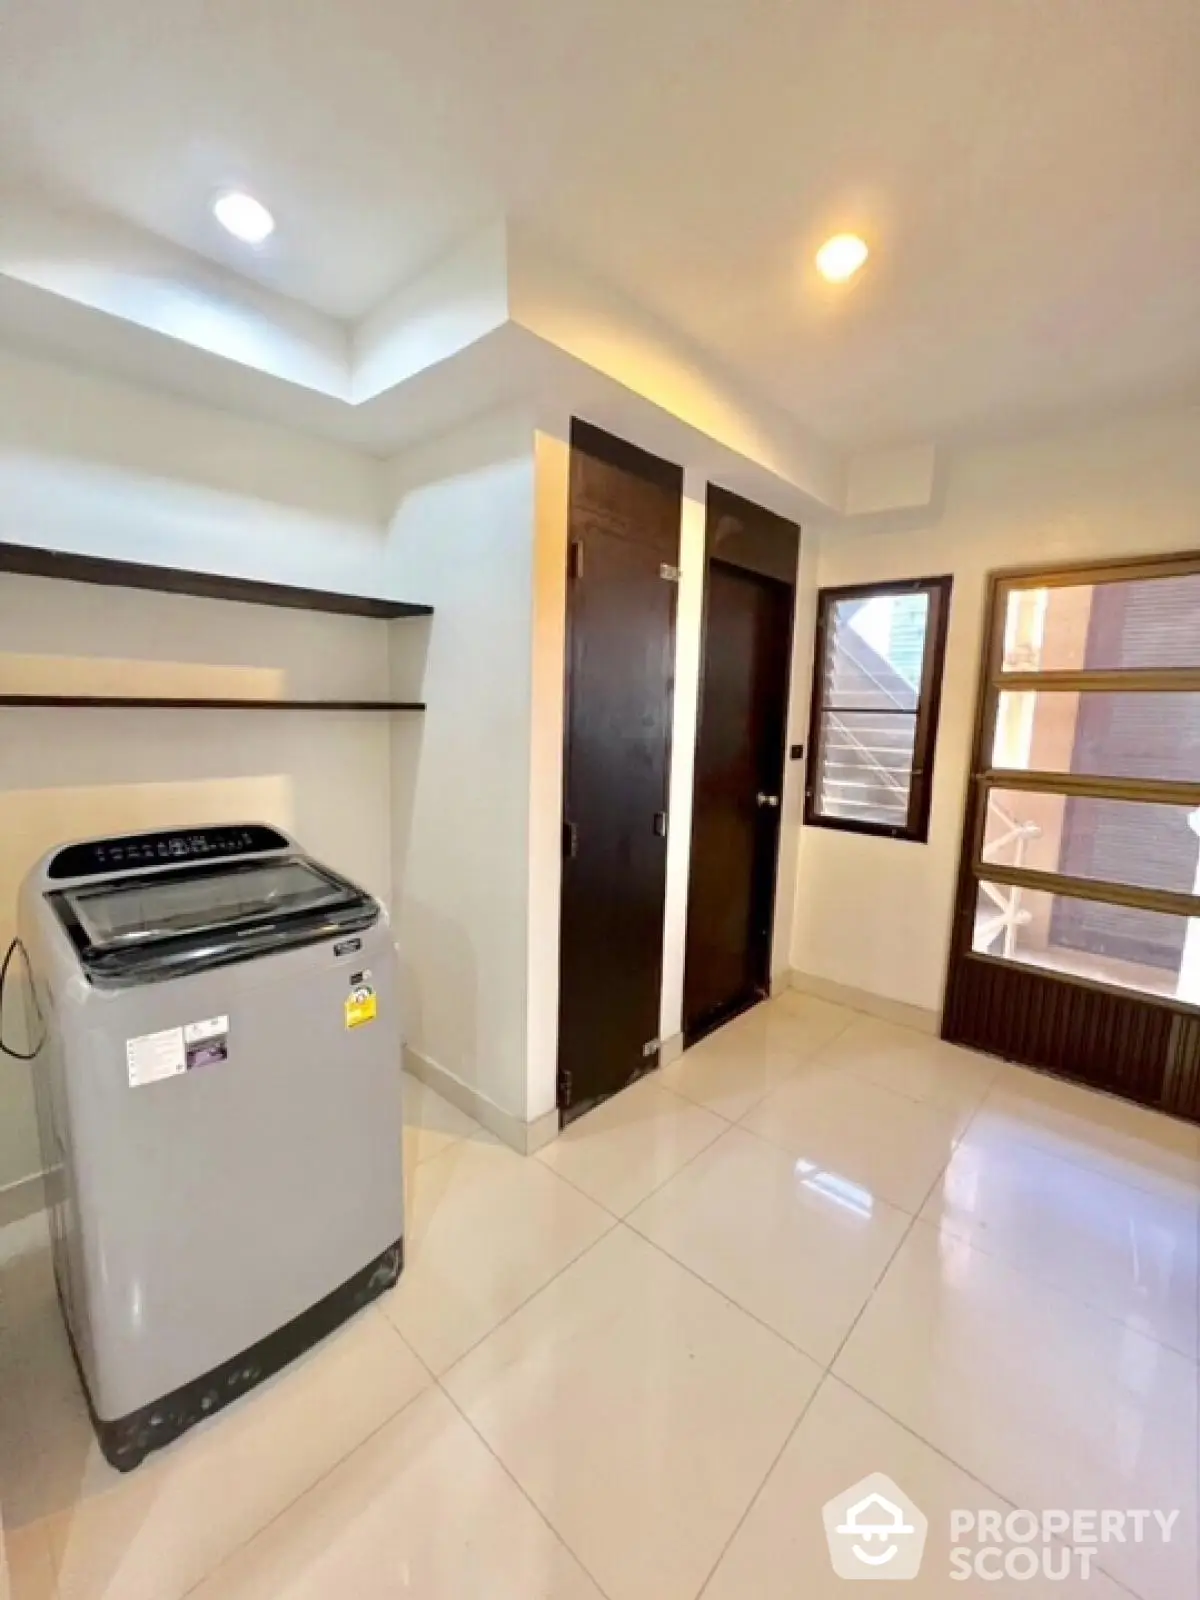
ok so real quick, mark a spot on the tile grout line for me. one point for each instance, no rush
(615, 1223)
(928, 1443)
(826, 1374)
(966, 1471)
(619, 1221)
(727, 1298)
(901, 1242)
(1070, 1159)
(960, 1467)
(619, 1216)
(1024, 1272)
(320, 1479)
(755, 1497)
(529, 1500)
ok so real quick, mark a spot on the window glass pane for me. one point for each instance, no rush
(1099, 735)
(875, 651)
(1144, 950)
(1099, 627)
(865, 766)
(1129, 842)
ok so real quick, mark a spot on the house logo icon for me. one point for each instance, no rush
(875, 1531)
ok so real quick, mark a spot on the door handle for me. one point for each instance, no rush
(766, 799)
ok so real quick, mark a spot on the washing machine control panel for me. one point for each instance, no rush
(133, 852)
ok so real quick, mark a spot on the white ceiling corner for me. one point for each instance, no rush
(1025, 175)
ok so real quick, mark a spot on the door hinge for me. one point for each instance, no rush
(565, 1085)
(670, 573)
(651, 1047)
(660, 824)
(570, 841)
(575, 559)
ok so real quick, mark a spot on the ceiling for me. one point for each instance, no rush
(1025, 170)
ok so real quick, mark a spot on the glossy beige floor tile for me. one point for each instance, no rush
(432, 1124)
(914, 1064)
(1034, 1337)
(799, 1249)
(1048, 1402)
(639, 1410)
(729, 1078)
(622, 1151)
(811, 1022)
(1129, 1252)
(1126, 1141)
(780, 1551)
(891, 1147)
(731, 1070)
(152, 1534)
(423, 1509)
(26, 1570)
(486, 1228)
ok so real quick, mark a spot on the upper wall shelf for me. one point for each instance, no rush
(112, 702)
(205, 585)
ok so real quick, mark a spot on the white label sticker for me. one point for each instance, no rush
(154, 1056)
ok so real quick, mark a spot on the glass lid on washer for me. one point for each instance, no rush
(137, 910)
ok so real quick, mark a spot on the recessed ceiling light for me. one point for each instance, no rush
(244, 216)
(839, 258)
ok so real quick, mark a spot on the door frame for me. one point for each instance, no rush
(619, 453)
(742, 536)
(1139, 1039)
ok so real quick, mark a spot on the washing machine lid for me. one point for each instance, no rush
(143, 928)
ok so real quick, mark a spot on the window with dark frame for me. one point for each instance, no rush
(877, 683)
(1084, 850)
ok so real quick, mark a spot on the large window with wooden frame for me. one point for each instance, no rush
(876, 688)
(1081, 858)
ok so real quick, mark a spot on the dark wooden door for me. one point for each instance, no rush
(624, 546)
(738, 789)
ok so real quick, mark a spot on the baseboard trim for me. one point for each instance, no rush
(22, 1199)
(875, 1005)
(524, 1137)
(670, 1050)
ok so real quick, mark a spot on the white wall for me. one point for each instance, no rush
(89, 464)
(875, 913)
(689, 622)
(552, 468)
(94, 466)
(462, 532)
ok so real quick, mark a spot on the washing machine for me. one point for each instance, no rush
(218, 1090)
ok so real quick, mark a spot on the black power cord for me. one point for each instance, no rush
(20, 1055)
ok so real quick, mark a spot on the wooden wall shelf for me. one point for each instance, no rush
(63, 564)
(107, 702)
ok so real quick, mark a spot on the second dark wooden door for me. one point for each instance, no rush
(625, 510)
(738, 795)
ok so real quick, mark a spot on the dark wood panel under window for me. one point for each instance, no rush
(1112, 1041)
